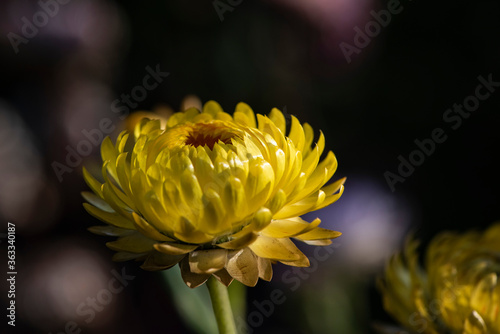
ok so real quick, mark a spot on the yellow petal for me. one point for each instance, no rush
(212, 108)
(311, 186)
(283, 228)
(321, 174)
(203, 166)
(109, 154)
(323, 242)
(155, 173)
(234, 199)
(259, 183)
(92, 182)
(474, 324)
(121, 141)
(255, 148)
(310, 226)
(181, 164)
(297, 134)
(239, 168)
(115, 202)
(319, 233)
(293, 170)
(189, 234)
(175, 119)
(111, 231)
(303, 261)
(261, 219)
(160, 113)
(267, 126)
(139, 185)
(157, 215)
(241, 118)
(334, 187)
(108, 217)
(276, 249)
(125, 201)
(277, 201)
(481, 296)
(96, 201)
(299, 208)
(278, 119)
(223, 116)
(147, 229)
(309, 137)
(239, 241)
(330, 199)
(203, 117)
(174, 248)
(212, 220)
(135, 243)
(123, 173)
(278, 161)
(248, 112)
(311, 161)
(190, 189)
(148, 126)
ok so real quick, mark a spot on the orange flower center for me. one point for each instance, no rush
(201, 134)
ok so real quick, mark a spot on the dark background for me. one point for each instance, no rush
(268, 54)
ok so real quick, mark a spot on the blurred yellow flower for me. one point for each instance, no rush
(216, 193)
(456, 293)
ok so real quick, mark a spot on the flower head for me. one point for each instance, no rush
(456, 292)
(216, 193)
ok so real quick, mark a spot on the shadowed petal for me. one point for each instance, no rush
(223, 277)
(265, 269)
(126, 256)
(191, 279)
(160, 261)
(207, 261)
(242, 241)
(134, 243)
(242, 266)
(110, 231)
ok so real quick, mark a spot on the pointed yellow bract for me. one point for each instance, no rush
(216, 193)
(456, 292)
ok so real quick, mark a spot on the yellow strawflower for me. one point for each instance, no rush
(214, 192)
(457, 292)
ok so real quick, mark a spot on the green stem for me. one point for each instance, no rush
(221, 306)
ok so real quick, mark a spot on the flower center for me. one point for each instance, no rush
(201, 134)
